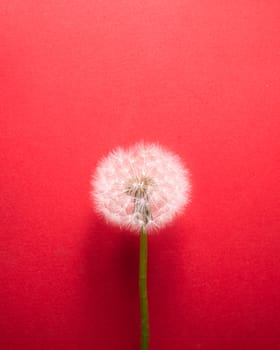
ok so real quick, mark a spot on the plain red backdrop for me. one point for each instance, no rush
(79, 77)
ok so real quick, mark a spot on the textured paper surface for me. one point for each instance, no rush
(81, 77)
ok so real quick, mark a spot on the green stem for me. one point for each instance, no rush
(143, 290)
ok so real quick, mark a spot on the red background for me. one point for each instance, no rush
(80, 77)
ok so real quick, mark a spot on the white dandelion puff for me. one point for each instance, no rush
(143, 186)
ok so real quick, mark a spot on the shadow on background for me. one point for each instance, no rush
(111, 300)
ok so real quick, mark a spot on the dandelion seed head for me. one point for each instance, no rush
(144, 185)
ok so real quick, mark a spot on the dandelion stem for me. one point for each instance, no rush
(143, 290)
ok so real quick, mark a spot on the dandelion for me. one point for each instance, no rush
(142, 188)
